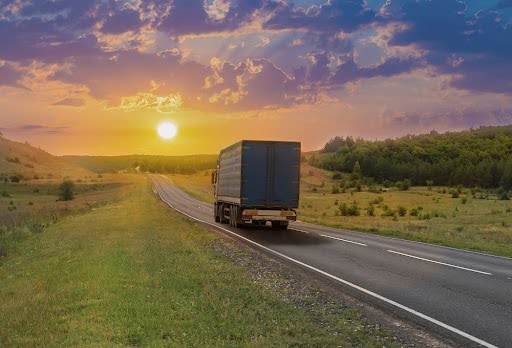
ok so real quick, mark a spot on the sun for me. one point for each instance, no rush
(167, 130)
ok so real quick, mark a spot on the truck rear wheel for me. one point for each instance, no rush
(216, 213)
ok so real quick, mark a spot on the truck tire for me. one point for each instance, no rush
(220, 211)
(216, 214)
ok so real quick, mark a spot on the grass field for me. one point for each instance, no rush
(481, 222)
(133, 272)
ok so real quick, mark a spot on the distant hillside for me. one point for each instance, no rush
(18, 158)
(476, 157)
(155, 164)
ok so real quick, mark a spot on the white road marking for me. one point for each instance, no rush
(368, 292)
(343, 240)
(440, 263)
(296, 229)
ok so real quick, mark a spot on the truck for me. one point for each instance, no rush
(257, 182)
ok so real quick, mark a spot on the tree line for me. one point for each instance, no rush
(476, 157)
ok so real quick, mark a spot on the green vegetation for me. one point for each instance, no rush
(135, 273)
(481, 157)
(475, 219)
(457, 217)
(66, 190)
(145, 163)
(198, 185)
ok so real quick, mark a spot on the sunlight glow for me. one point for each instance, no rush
(167, 130)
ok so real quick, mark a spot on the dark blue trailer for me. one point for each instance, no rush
(257, 181)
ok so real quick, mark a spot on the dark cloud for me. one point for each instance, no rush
(191, 16)
(121, 22)
(453, 119)
(10, 77)
(44, 41)
(35, 128)
(478, 50)
(334, 15)
(350, 71)
(503, 4)
(76, 102)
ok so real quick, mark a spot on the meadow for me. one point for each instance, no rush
(132, 272)
(470, 219)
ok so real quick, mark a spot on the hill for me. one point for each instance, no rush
(30, 162)
(150, 163)
(475, 157)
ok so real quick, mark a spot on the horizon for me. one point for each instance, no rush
(98, 78)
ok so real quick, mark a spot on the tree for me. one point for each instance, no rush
(66, 190)
(356, 171)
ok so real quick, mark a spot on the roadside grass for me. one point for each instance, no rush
(480, 223)
(28, 207)
(135, 273)
(198, 186)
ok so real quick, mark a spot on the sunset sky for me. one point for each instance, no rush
(97, 77)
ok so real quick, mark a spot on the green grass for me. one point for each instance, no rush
(197, 185)
(135, 273)
(478, 224)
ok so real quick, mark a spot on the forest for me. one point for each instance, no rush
(476, 157)
(146, 163)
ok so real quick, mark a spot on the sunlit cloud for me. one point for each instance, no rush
(163, 104)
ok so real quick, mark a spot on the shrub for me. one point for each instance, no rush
(335, 189)
(5, 194)
(504, 196)
(414, 212)
(455, 194)
(464, 200)
(66, 190)
(337, 176)
(16, 177)
(429, 184)
(402, 211)
(403, 185)
(370, 210)
(336, 202)
(352, 210)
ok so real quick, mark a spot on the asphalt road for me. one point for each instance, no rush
(463, 295)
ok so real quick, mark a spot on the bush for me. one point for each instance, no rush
(402, 211)
(5, 194)
(66, 190)
(429, 184)
(16, 177)
(335, 189)
(403, 185)
(414, 212)
(353, 210)
(455, 194)
(504, 196)
(464, 200)
(337, 176)
(370, 210)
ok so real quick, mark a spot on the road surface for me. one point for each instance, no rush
(463, 295)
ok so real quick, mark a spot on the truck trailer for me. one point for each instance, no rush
(257, 182)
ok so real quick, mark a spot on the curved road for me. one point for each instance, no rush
(463, 295)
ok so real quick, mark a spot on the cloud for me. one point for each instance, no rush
(76, 102)
(475, 50)
(122, 21)
(503, 4)
(164, 104)
(10, 77)
(332, 16)
(463, 118)
(35, 128)
(350, 71)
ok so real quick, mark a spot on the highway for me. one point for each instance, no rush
(462, 295)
